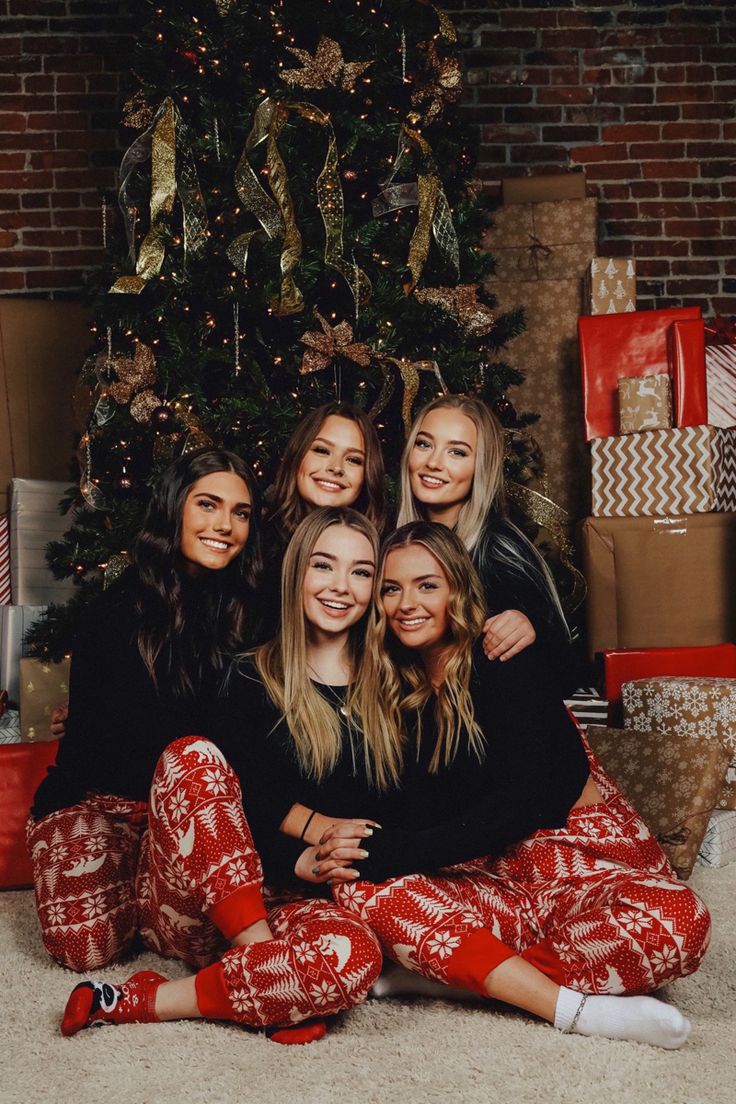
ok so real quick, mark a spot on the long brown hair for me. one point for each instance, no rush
(403, 684)
(289, 507)
(312, 721)
(178, 638)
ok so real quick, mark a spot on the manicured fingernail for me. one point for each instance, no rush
(377, 825)
(315, 870)
(367, 831)
(354, 874)
(363, 854)
(322, 841)
(329, 882)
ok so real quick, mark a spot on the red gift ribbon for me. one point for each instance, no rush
(721, 331)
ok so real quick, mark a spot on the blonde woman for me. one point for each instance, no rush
(452, 473)
(575, 900)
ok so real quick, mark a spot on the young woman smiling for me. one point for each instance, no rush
(145, 669)
(288, 724)
(452, 473)
(575, 899)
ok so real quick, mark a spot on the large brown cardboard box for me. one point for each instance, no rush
(42, 345)
(656, 582)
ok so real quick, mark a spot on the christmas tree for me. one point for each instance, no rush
(297, 223)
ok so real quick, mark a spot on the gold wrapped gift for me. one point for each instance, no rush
(644, 402)
(673, 784)
(697, 707)
(43, 687)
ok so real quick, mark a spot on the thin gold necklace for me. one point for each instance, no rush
(330, 690)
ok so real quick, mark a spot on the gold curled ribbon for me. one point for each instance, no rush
(409, 371)
(276, 215)
(447, 27)
(163, 191)
(434, 216)
(543, 511)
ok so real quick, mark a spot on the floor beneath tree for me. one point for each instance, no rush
(411, 1052)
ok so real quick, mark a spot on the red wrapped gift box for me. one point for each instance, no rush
(22, 768)
(636, 344)
(625, 665)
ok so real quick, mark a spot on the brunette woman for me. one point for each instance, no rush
(289, 727)
(145, 669)
(452, 473)
(575, 898)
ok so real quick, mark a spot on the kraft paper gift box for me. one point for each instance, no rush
(43, 687)
(698, 708)
(644, 403)
(719, 843)
(636, 344)
(544, 188)
(672, 784)
(720, 371)
(34, 522)
(660, 582)
(664, 472)
(15, 621)
(543, 241)
(610, 285)
(4, 560)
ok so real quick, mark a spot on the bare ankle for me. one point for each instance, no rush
(254, 933)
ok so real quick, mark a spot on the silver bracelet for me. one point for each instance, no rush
(576, 1017)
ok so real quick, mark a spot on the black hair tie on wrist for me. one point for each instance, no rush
(307, 823)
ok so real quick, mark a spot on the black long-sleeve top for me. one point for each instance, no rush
(533, 771)
(119, 722)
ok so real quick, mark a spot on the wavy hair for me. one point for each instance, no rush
(289, 507)
(312, 721)
(179, 635)
(483, 524)
(401, 680)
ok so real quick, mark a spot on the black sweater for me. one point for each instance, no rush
(534, 770)
(118, 722)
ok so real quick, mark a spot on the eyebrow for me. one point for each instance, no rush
(216, 498)
(329, 556)
(327, 441)
(418, 579)
(425, 433)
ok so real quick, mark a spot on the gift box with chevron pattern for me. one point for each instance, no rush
(664, 472)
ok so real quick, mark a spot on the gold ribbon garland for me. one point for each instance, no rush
(276, 215)
(434, 216)
(409, 372)
(165, 134)
(543, 511)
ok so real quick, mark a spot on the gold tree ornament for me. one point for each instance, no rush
(134, 373)
(443, 84)
(137, 112)
(334, 342)
(327, 67)
(473, 317)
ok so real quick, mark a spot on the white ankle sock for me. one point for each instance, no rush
(639, 1019)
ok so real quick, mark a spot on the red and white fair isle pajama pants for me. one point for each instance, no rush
(188, 884)
(595, 905)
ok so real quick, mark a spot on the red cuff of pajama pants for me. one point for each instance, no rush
(238, 910)
(474, 959)
(545, 958)
(212, 999)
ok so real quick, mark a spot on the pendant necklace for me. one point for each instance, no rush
(330, 690)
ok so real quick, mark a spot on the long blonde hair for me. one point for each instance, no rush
(401, 680)
(483, 523)
(312, 721)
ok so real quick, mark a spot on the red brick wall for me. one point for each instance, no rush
(59, 109)
(639, 93)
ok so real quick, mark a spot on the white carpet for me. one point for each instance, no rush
(410, 1052)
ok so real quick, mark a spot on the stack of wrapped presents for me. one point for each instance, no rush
(29, 688)
(659, 556)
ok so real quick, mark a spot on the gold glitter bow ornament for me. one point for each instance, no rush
(172, 163)
(327, 67)
(442, 84)
(135, 374)
(473, 317)
(334, 342)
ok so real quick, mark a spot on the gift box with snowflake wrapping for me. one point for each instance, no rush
(674, 784)
(698, 708)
